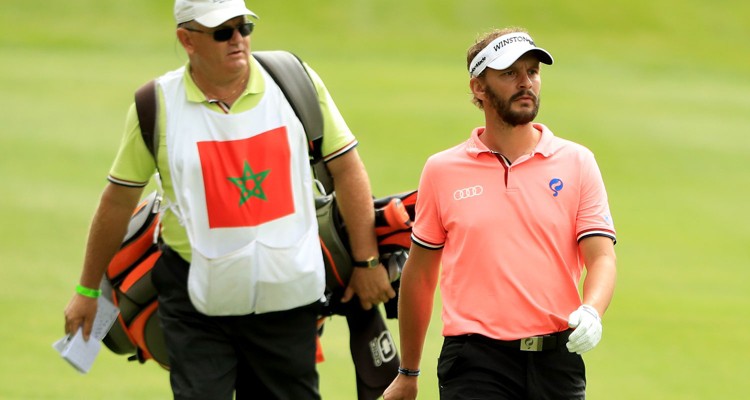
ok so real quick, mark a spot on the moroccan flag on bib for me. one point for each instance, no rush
(247, 181)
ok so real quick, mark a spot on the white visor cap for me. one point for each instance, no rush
(502, 52)
(209, 13)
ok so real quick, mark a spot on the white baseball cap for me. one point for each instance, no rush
(502, 52)
(209, 13)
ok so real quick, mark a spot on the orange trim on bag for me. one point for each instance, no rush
(121, 320)
(327, 254)
(130, 253)
(142, 269)
(138, 326)
(319, 357)
(400, 239)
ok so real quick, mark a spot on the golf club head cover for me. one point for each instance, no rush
(373, 351)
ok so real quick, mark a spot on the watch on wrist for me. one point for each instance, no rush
(371, 262)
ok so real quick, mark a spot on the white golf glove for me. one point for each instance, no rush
(588, 329)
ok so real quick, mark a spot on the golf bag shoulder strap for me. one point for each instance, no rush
(291, 76)
(146, 108)
(287, 71)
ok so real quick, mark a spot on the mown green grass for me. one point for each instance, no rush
(658, 90)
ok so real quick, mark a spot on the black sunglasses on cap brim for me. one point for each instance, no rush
(224, 34)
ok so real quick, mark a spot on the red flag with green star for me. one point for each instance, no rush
(247, 181)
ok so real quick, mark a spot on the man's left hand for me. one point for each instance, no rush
(588, 329)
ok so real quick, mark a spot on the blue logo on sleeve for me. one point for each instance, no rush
(556, 185)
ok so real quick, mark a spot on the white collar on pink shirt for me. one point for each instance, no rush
(547, 144)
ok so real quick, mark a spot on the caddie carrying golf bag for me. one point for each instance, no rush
(127, 281)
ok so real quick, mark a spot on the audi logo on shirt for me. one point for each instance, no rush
(468, 192)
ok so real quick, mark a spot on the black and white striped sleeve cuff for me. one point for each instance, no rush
(426, 244)
(123, 182)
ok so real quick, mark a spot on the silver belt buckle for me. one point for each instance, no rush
(533, 343)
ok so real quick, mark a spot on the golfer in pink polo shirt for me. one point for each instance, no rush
(506, 222)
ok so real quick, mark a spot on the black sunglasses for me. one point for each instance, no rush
(224, 34)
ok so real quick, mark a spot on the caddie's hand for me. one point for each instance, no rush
(371, 285)
(588, 329)
(402, 388)
(80, 312)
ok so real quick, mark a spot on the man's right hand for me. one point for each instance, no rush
(80, 312)
(372, 286)
(108, 228)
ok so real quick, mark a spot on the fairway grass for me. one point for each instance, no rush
(658, 90)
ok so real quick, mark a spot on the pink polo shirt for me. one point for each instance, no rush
(509, 233)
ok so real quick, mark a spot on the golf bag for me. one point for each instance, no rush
(127, 283)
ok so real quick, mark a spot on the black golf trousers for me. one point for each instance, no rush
(473, 367)
(256, 356)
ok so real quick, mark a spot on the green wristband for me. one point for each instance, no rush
(88, 292)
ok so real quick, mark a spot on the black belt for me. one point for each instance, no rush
(532, 343)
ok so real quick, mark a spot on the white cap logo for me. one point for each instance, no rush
(502, 52)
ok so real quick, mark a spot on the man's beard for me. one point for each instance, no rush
(504, 111)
